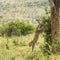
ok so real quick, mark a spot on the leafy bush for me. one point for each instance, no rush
(45, 22)
(17, 28)
(57, 44)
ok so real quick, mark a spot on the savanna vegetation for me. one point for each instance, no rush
(21, 40)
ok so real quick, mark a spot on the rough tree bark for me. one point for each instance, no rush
(54, 4)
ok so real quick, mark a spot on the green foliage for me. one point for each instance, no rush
(45, 22)
(16, 28)
(57, 44)
(25, 28)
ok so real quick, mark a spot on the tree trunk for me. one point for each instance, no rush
(55, 4)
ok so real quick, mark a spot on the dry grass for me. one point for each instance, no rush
(21, 50)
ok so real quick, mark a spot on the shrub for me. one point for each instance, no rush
(46, 23)
(24, 27)
(17, 28)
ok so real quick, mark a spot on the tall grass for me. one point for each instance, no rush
(21, 51)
